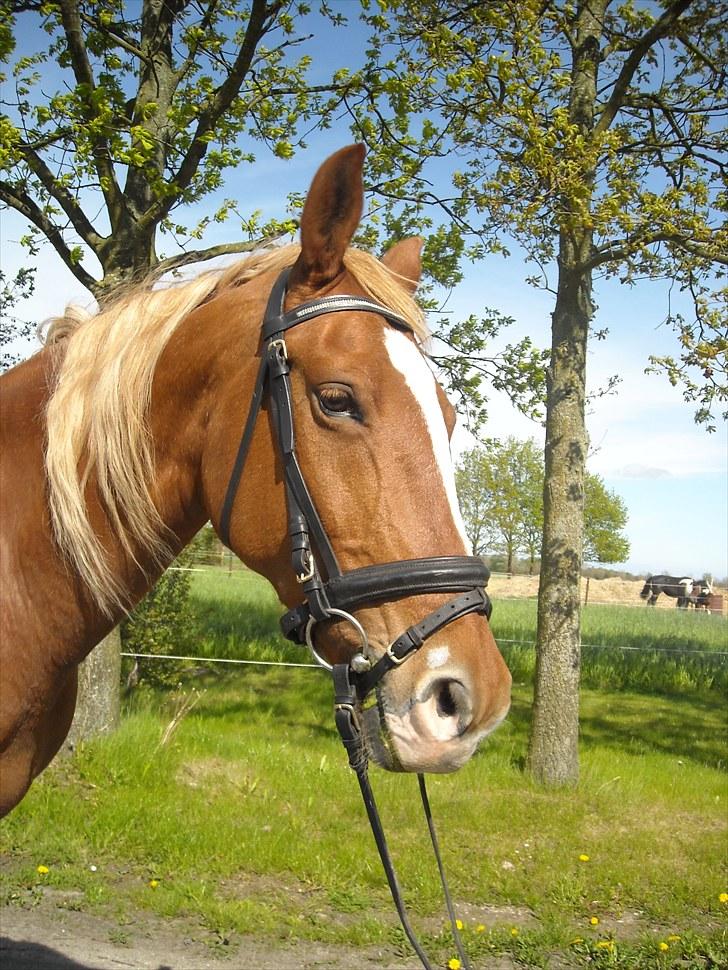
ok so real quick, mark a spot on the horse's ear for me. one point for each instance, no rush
(330, 217)
(404, 259)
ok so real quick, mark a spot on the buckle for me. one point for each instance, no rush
(310, 571)
(278, 346)
(393, 657)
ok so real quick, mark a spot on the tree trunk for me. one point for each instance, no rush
(99, 685)
(553, 752)
(98, 701)
(553, 756)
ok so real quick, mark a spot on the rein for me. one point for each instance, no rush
(335, 597)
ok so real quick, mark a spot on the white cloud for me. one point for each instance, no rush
(640, 471)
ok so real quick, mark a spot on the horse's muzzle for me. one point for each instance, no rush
(437, 732)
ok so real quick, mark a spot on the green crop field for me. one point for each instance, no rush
(229, 802)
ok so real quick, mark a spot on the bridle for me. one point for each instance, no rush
(336, 596)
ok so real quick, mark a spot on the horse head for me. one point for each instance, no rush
(372, 429)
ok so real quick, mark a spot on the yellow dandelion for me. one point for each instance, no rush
(723, 898)
(480, 928)
(664, 946)
(153, 883)
(459, 924)
(594, 921)
(454, 964)
(605, 944)
(514, 931)
(673, 938)
(583, 857)
(42, 870)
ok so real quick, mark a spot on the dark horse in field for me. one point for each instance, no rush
(120, 437)
(687, 591)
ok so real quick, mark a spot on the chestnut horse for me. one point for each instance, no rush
(118, 440)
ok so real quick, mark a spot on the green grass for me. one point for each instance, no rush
(250, 821)
(624, 648)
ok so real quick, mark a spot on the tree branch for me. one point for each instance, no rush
(34, 214)
(628, 247)
(67, 202)
(261, 15)
(212, 252)
(658, 30)
(84, 76)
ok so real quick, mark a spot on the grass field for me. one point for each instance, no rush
(624, 647)
(240, 812)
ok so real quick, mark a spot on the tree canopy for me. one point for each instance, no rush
(551, 119)
(500, 488)
(123, 114)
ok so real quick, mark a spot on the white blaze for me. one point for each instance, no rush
(437, 657)
(407, 359)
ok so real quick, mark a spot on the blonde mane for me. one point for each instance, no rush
(96, 417)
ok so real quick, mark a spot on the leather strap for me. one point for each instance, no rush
(392, 581)
(278, 323)
(347, 723)
(474, 601)
(242, 454)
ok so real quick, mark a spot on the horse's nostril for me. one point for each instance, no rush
(445, 702)
(452, 703)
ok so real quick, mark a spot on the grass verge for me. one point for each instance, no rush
(231, 804)
(246, 817)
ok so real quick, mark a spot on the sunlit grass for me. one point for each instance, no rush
(240, 811)
(624, 648)
(249, 818)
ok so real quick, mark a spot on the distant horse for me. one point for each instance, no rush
(701, 594)
(687, 591)
(121, 438)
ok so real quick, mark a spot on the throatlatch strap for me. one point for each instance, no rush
(243, 448)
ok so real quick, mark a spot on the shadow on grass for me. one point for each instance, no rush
(301, 699)
(688, 728)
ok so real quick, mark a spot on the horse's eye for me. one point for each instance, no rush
(338, 400)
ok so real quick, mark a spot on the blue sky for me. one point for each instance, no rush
(672, 475)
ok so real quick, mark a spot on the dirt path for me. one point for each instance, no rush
(46, 937)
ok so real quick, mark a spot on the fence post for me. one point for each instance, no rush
(586, 591)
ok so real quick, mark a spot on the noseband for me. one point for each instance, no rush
(339, 594)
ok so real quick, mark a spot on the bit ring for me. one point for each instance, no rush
(342, 614)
